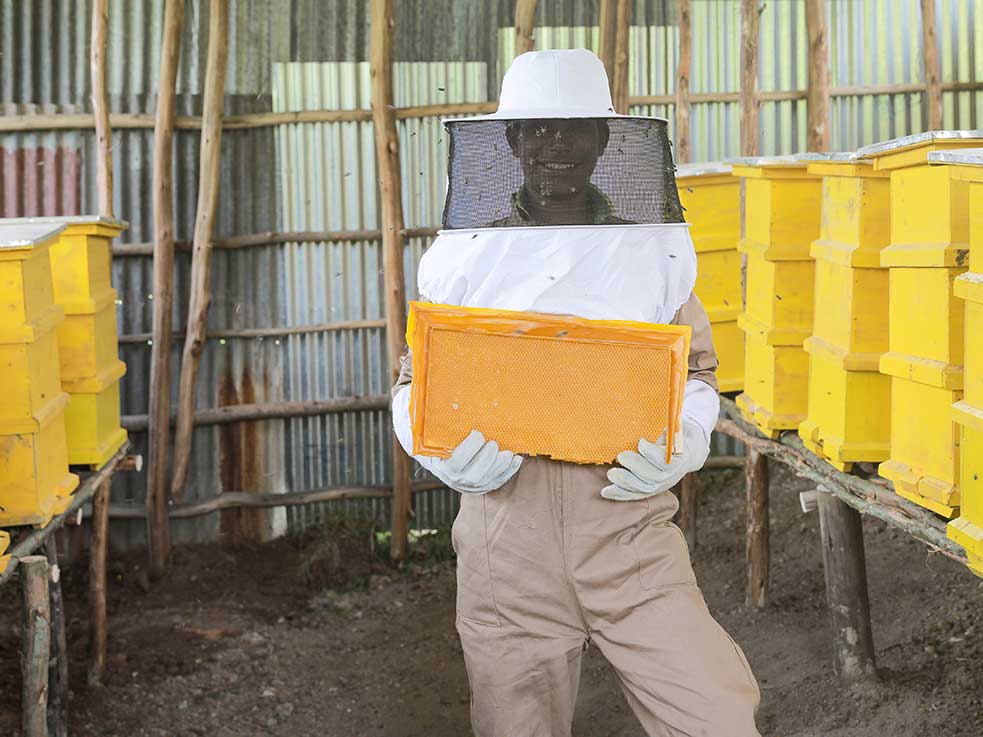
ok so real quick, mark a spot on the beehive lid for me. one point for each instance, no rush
(851, 157)
(840, 163)
(913, 150)
(702, 169)
(769, 167)
(564, 387)
(960, 156)
(20, 234)
(74, 220)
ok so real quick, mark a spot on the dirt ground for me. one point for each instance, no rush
(240, 643)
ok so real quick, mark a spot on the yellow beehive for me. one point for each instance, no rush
(4, 544)
(711, 198)
(967, 529)
(34, 478)
(849, 399)
(928, 250)
(87, 338)
(545, 395)
(781, 219)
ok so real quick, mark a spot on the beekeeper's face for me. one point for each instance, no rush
(558, 156)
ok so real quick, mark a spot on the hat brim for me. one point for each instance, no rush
(552, 114)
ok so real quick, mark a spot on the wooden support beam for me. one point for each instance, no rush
(689, 489)
(525, 21)
(201, 264)
(933, 75)
(622, 40)
(158, 527)
(750, 104)
(276, 332)
(608, 22)
(100, 107)
(98, 552)
(818, 128)
(846, 588)
(757, 548)
(58, 686)
(682, 82)
(36, 647)
(387, 159)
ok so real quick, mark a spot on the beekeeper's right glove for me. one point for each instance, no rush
(476, 466)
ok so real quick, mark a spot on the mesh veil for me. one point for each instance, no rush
(633, 180)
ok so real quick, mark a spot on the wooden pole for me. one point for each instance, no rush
(682, 82)
(98, 626)
(158, 526)
(36, 646)
(846, 588)
(933, 87)
(818, 129)
(100, 107)
(689, 489)
(525, 21)
(622, 38)
(756, 546)
(58, 665)
(387, 160)
(749, 78)
(201, 264)
(608, 26)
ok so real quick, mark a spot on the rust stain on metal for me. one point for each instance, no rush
(239, 463)
(40, 181)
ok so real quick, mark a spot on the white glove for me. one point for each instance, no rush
(646, 472)
(476, 466)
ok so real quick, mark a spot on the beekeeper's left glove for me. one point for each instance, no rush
(646, 472)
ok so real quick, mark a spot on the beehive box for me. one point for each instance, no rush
(4, 544)
(34, 478)
(849, 399)
(81, 261)
(967, 530)
(564, 387)
(928, 250)
(781, 220)
(711, 198)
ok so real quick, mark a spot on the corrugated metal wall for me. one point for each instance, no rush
(308, 54)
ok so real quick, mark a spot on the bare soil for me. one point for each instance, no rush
(250, 642)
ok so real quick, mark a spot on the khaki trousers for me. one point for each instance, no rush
(546, 565)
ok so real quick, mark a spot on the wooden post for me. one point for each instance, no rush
(97, 583)
(158, 526)
(387, 159)
(608, 28)
(58, 665)
(749, 78)
(757, 552)
(622, 38)
(689, 490)
(525, 20)
(36, 646)
(846, 588)
(682, 84)
(201, 263)
(100, 106)
(933, 84)
(818, 133)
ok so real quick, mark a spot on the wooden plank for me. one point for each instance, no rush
(201, 264)
(36, 646)
(750, 102)
(58, 686)
(158, 527)
(846, 588)
(98, 626)
(933, 75)
(817, 127)
(682, 82)
(100, 107)
(757, 548)
(276, 332)
(689, 490)
(525, 21)
(622, 39)
(608, 12)
(387, 159)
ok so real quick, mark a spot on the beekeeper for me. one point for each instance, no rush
(557, 204)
